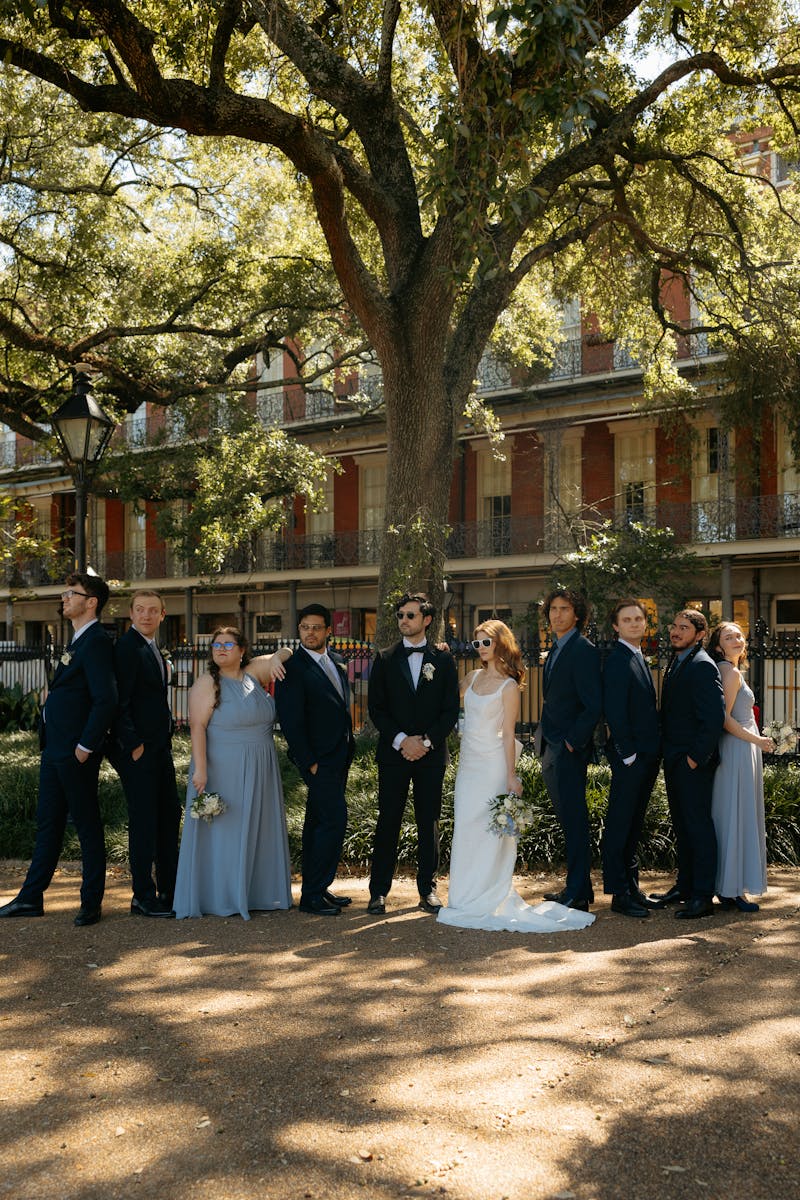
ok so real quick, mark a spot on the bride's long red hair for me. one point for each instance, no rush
(507, 653)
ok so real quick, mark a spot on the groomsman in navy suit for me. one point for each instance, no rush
(564, 738)
(692, 717)
(313, 702)
(79, 709)
(633, 749)
(142, 757)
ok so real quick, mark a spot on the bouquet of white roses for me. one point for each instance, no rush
(207, 805)
(509, 815)
(783, 736)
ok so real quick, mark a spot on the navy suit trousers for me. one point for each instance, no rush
(325, 823)
(564, 774)
(689, 797)
(67, 788)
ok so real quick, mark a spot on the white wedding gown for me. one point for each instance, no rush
(481, 893)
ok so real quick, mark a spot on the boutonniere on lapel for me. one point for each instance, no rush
(428, 671)
(167, 657)
(66, 658)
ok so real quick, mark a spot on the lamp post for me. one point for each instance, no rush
(83, 431)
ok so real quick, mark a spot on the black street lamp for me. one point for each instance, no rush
(83, 431)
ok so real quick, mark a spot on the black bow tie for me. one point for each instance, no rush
(416, 649)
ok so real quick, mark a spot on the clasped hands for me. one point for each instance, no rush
(412, 747)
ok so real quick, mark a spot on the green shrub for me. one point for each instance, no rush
(18, 709)
(541, 846)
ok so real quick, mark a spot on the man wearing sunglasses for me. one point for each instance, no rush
(79, 709)
(413, 702)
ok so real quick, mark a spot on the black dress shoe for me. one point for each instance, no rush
(88, 916)
(569, 901)
(735, 902)
(663, 899)
(628, 906)
(376, 906)
(320, 908)
(342, 901)
(21, 908)
(692, 909)
(150, 908)
(430, 903)
(639, 896)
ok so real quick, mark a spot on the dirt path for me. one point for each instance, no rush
(300, 1057)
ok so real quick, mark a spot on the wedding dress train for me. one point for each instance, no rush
(481, 892)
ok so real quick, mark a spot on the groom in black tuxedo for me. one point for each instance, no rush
(313, 703)
(142, 757)
(79, 709)
(413, 703)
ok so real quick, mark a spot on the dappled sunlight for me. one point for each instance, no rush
(397, 1055)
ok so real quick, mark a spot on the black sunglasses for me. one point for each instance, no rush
(478, 642)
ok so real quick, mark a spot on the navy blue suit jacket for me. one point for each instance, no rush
(573, 700)
(693, 709)
(82, 699)
(144, 716)
(395, 705)
(315, 719)
(629, 704)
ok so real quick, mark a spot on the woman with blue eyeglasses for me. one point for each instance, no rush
(235, 859)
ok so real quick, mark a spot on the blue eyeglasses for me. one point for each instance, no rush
(222, 645)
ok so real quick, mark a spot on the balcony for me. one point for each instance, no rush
(703, 523)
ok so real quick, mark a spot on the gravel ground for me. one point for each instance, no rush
(295, 1056)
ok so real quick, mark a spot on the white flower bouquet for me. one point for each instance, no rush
(207, 805)
(783, 736)
(509, 815)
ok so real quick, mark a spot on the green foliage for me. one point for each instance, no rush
(18, 709)
(542, 846)
(636, 560)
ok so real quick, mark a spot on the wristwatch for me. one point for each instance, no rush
(426, 741)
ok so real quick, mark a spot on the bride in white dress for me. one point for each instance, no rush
(481, 892)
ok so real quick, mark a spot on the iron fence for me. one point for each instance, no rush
(773, 674)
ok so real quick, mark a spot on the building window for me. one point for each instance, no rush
(567, 355)
(494, 503)
(269, 401)
(8, 447)
(563, 486)
(135, 543)
(635, 472)
(713, 507)
(788, 483)
(372, 507)
(320, 544)
(136, 426)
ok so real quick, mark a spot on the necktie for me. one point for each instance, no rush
(332, 672)
(416, 649)
(158, 658)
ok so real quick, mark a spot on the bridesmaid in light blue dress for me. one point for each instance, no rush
(239, 861)
(737, 802)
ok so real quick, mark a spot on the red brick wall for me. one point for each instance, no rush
(598, 354)
(527, 467)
